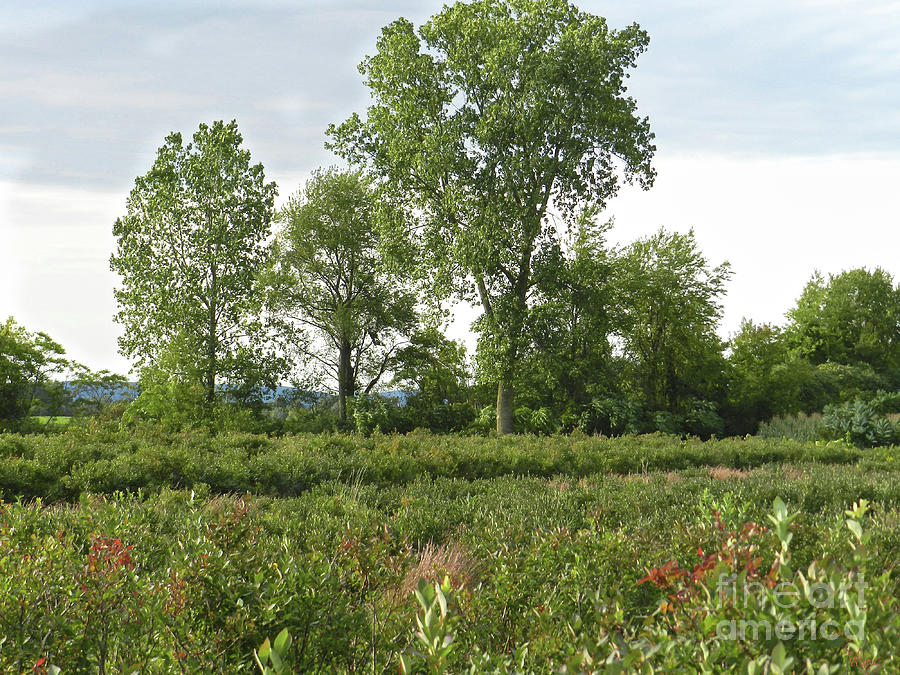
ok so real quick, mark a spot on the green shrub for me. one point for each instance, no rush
(538, 421)
(667, 422)
(610, 417)
(799, 427)
(884, 403)
(859, 422)
(703, 420)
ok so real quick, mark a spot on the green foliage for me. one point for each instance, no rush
(483, 119)
(666, 422)
(379, 413)
(101, 459)
(799, 427)
(328, 278)
(853, 318)
(859, 422)
(271, 658)
(93, 392)
(538, 421)
(301, 420)
(670, 299)
(760, 384)
(172, 391)
(485, 420)
(884, 402)
(725, 613)
(702, 419)
(28, 364)
(567, 355)
(188, 253)
(434, 367)
(435, 624)
(549, 563)
(610, 417)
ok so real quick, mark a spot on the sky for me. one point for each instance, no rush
(777, 128)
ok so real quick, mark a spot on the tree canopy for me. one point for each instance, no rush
(852, 318)
(30, 364)
(189, 250)
(328, 277)
(488, 118)
(671, 302)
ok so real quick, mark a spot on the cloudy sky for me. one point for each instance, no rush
(777, 123)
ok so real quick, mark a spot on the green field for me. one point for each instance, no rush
(57, 422)
(183, 553)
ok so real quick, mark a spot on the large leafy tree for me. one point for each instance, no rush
(670, 300)
(853, 318)
(568, 358)
(486, 120)
(763, 378)
(189, 251)
(328, 278)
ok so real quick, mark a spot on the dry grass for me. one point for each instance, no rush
(724, 473)
(563, 484)
(673, 477)
(436, 562)
(792, 472)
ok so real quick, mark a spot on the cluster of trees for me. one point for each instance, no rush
(497, 132)
(841, 342)
(37, 379)
(493, 127)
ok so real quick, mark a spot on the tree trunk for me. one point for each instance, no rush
(504, 407)
(345, 379)
(211, 349)
(212, 346)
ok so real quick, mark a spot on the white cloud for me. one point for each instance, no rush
(775, 220)
(54, 267)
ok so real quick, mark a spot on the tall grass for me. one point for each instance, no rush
(799, 427)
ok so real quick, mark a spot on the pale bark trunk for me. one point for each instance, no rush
(504, 407)
(345, 379)
(211, 347)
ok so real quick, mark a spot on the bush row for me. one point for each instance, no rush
(63, 466)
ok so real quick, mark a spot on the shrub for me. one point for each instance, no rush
(799, 427)
(885, 403)
(610, 417)
(485, 421)
(703, 420)
(859, 423)
(667, 422)
(539, 421)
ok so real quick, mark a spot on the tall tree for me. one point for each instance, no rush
(488, 118)
(572, 318)
(189, 250)
(328, 277)
(670, 300)
(853, 318)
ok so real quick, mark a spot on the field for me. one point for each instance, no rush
(57, 422)
(183, 553)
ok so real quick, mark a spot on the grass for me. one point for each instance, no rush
(57, 422)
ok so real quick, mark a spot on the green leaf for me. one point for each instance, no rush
(282, 642)
(855, 528)
(265, 650)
